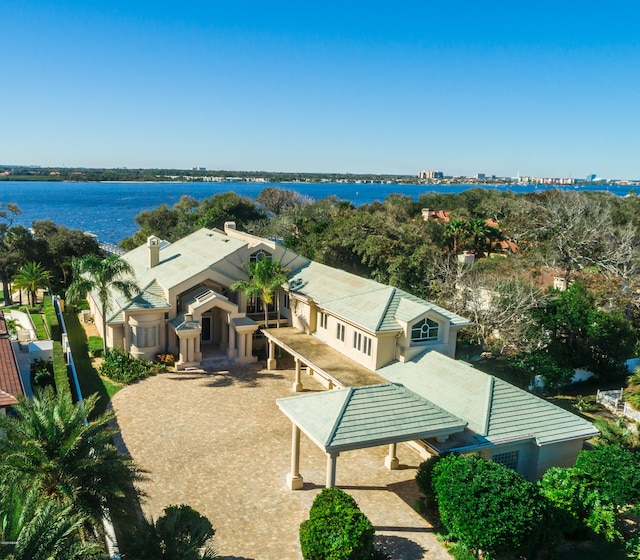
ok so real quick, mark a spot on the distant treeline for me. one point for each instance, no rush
(121, 174)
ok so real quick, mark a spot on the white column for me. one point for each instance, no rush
(297, 385)
(224, 334)
(183, 350)
(231, 350)
(190, 348)
(197, 355)
(250, 345)
(294, 480)
(391, 461)
(241, 346)
(271, 362)
(331, 469)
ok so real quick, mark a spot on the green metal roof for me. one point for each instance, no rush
(363, 302)
(185, 258)
(495, 410)
(151, 297)
(358, 417)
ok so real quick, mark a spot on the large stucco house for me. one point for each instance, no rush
(355, 335)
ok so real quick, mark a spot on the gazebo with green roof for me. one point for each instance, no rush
(361, 417)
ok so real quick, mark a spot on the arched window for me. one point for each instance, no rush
(259, 256)
(424, 330)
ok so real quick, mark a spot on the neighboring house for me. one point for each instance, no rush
(438, 215)
(372, 332)
(10, 381)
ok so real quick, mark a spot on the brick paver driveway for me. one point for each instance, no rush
(217, 441)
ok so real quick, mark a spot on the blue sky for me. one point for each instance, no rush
(544, 88)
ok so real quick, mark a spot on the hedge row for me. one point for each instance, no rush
(60, 372)
(51, 318)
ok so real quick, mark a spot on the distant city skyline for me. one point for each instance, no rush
(464, 88)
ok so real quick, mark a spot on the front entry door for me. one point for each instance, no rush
(205, 334)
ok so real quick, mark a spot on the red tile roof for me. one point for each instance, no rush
(10, 380)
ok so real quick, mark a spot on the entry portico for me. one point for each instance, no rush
(361, 417)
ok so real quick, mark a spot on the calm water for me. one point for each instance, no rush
(108, 209)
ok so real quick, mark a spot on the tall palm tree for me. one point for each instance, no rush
(31, 277)
(92, 273)
(181, 533)
(455, 232)
(50, 448)
(35, 529)
(266, 279)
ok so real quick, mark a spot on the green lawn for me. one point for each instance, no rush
(38, 323)
(90, 381)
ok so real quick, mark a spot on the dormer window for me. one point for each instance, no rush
(259, 256)
(424, 331)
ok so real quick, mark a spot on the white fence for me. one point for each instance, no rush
(614, 402)
(610, 399)
(631, 412)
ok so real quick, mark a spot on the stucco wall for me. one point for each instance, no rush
(562, 454)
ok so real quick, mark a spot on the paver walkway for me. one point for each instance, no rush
(217, 441)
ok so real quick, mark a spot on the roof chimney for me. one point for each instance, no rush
(153, 243)
(229, 225)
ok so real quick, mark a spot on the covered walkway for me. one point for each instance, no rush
(334, 369)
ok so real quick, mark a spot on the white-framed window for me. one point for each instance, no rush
(285, 300)
(144, 337)
(362, 343)
(259, 256)
(425, 330)
(324, 320)
(340, 330)
(366, 345)
(508, 459)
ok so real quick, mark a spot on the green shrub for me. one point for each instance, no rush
(51, 319)
(60, 371)
(332, 498)
(337, 529)
(424, 478)
(96, 346)
(563, 491)
(121, 367)
(488, 507)
(42, 374)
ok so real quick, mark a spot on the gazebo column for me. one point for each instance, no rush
(391, 461)
(271, 362)
(297, 385)
(294, 480)
(331, 469)
(231, 350)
